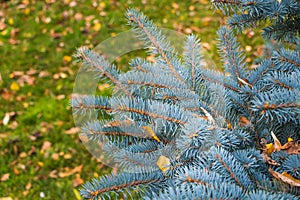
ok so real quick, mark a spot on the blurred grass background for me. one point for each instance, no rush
(41, 155)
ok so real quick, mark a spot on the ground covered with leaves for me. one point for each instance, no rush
(41, 155)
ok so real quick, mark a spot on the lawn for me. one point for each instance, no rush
(41, 155)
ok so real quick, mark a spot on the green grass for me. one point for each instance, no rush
(42, 36)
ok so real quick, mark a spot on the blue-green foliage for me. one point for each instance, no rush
(209, 125)
(283, 14)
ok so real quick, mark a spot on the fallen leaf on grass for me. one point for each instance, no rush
(2, 25)
(67, 156)
(14, 86)
(16, 171)
(55, 76)
(54, 34)
(13, 41)
(16, 73)
(96, 27)
(73, 130)
(76, 193)
(26, 79)
(77, 181)
(7, 95)
(70, 172)
(44, 74)
(63, 75)
(31, 72)
(23, 154)
(6, 198)
(55, 156)
(3, 135)
(5, 177)
(46, 145)
(78, 16)
(28, 186)
(6, 119)
(67, 58)
(53, 174)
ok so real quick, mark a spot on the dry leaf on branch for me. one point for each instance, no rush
(269, 160)
(285, 177)
(291, 147)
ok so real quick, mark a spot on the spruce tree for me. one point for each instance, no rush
(188, 132)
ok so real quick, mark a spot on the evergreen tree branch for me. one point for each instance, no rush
(142, 22)
(99, 64)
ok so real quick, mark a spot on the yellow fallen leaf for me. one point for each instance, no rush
(96, 174)
(97, 27)
(229, 126)
(77, 194)
(27, 11)
(25, 104)
(10, 21)
(41, 164)
(150, 131)
(290, 139)
(67, 58)
(102, 4)
(270, 148)
(4, 32)
(163, 163)
(14, 86)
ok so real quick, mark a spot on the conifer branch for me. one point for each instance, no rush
(220, 83)
(261, 70)
(214, 123)
(191, 180)
(99, 64)
(231, 2)
(150, 114)
(229, 171)
(141, 21)
(193, 59)
(231, 55)
(118, 184)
